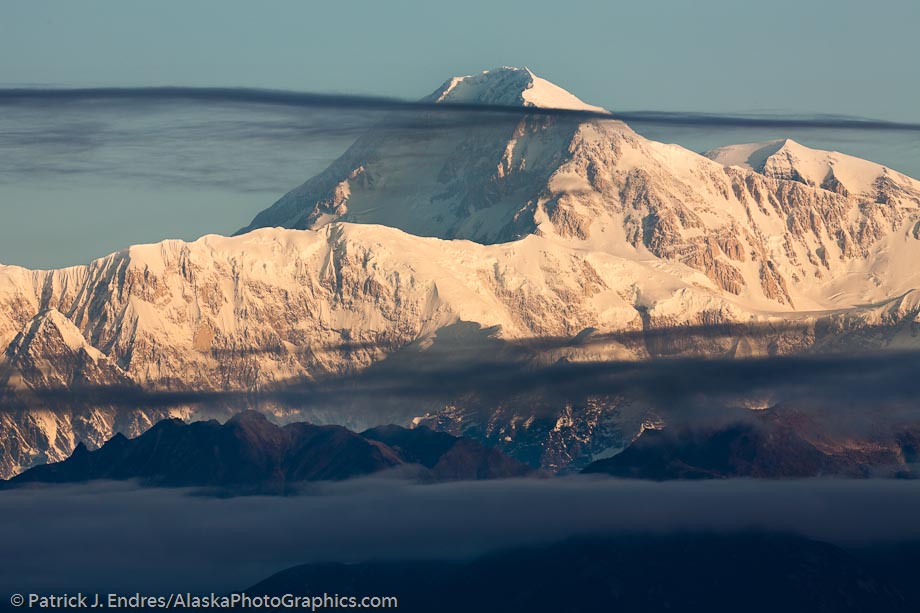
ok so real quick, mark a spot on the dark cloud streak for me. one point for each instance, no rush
(33, 97)
(250, 140)
(854, 390)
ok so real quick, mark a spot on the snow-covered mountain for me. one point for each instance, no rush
(531, 228)
(778, 225)
(828, 170)
(472, 178)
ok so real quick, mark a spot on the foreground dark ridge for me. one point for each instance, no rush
(712, 573)
(270, 97)
(250, 452)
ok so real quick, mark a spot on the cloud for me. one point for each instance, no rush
(800, 122)
(251, 140)
(228, 149)
(868, 390)
(117, 536)
(246, 96)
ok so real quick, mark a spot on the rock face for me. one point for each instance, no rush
(580, 232)
(258, 311)
(250, 453)
(50, 353)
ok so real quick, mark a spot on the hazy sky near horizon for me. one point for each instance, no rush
(843, 57)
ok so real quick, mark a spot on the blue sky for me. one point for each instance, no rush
(843, 57)
(715, 55)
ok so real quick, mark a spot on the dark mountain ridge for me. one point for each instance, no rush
(679, 572)
(248, 451)
(770, 446)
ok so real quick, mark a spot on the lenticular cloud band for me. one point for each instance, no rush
(249, 96)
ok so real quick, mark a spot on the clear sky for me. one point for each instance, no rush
(816, 56)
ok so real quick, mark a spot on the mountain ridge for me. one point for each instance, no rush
(250, 454)
(829, 170)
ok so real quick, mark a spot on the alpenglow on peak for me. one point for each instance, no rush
(508, 86)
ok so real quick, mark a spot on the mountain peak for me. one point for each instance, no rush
(830, 170)
(249, 416)
(749, 155)
(52, 326)
(511, 86)
(50, 351)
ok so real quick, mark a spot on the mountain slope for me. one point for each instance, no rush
(830, 170)
(51, 352)
(271, 307)
(474, 181)
(785, 234)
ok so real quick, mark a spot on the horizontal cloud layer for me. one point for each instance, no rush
(116, 536)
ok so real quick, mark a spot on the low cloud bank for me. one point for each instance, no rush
(854, 394)
(119, 536)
